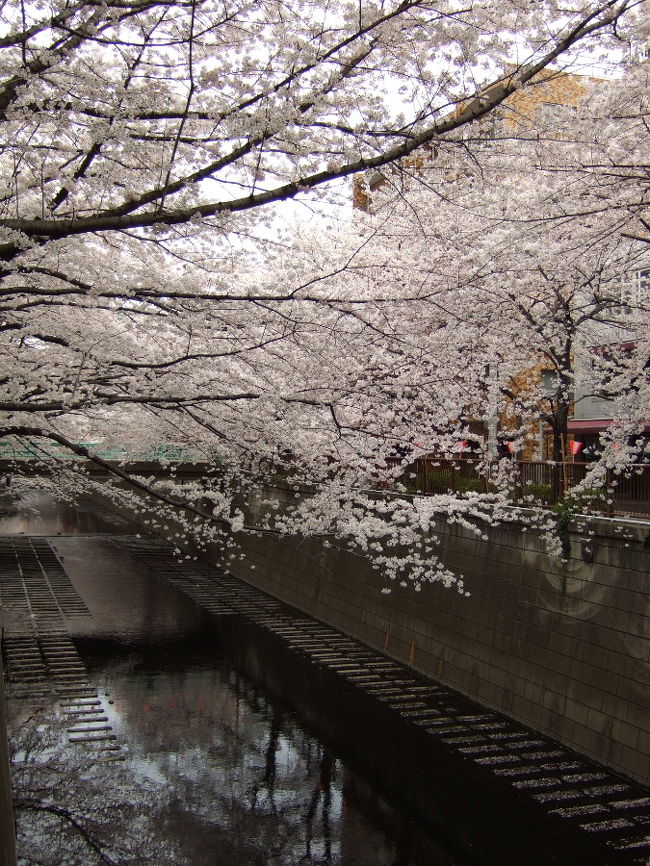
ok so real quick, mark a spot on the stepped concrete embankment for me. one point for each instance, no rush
(563, 648)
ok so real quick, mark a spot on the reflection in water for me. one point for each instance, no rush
(248, 784)
(220, 770)
(41, 515)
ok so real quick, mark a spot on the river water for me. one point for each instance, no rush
(225, 750)
(216, 765)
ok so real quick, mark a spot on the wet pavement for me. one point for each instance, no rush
(240, 731)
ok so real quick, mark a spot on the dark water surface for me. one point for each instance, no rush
(250, 782)
(40, 515)
(237, 753)
(221, 766)
(206, 710)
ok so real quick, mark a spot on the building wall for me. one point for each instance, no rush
(551, 89)
(564, 649)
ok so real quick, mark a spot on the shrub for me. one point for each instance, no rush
(540, 492)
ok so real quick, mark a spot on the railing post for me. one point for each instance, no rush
(609, 494)
(556, 486)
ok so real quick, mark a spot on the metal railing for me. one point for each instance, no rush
(544, 483)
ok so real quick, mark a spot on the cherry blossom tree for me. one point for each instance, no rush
(148, 293)
(522, 255)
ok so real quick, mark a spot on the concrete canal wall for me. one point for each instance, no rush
(7, 824)
(564, 649)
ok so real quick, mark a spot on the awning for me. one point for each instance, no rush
(594, 425)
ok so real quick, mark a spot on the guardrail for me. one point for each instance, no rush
(543, 482)
(156, 453)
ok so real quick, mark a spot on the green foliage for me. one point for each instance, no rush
(564, 510)
(438, 482)
(469, 485)
(592, 500)
(588, 501)
(540, 492)
(442, 482)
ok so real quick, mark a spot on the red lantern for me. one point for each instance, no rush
(575, 446)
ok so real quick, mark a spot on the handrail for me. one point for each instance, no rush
(547, 482)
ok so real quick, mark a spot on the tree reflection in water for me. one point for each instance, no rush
(71, 811)
(215, 774)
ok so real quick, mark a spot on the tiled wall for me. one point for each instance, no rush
(564, 649)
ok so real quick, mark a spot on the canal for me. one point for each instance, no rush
(163, 712)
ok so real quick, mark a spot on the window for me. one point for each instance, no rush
(559, 112)
(635, 290)
(549, 382)
(629, 293)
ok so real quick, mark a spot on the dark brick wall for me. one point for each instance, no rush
(562, 648)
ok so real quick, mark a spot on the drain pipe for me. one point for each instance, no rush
(7, 824)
